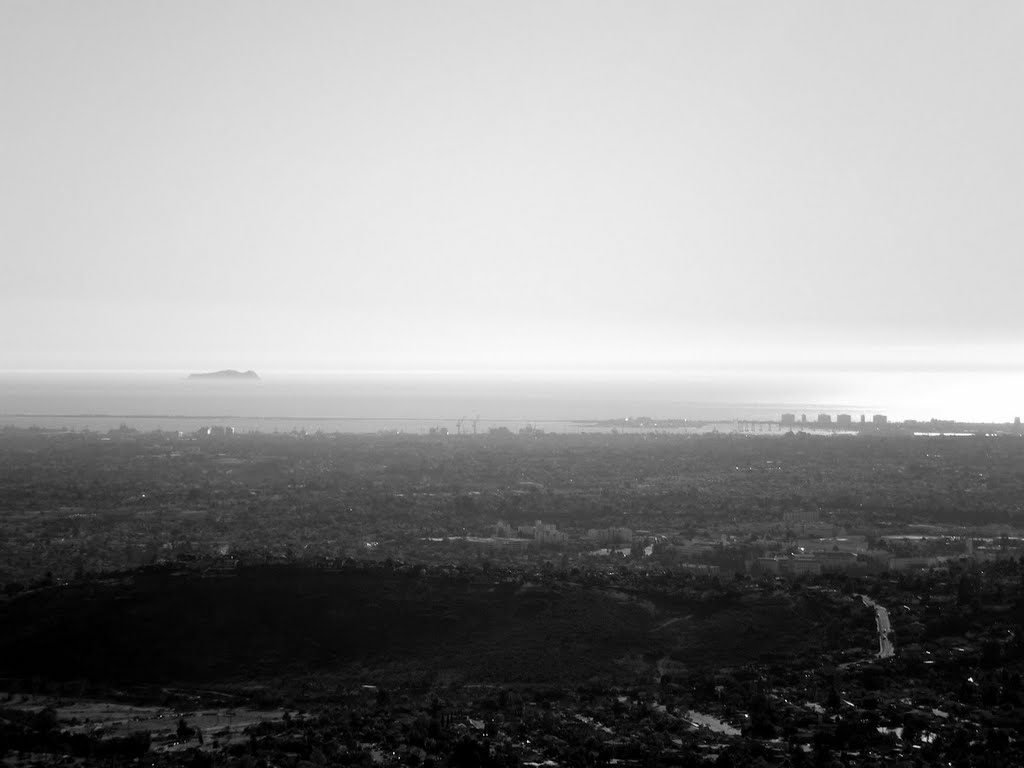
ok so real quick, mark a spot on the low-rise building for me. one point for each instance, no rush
(548, 536)
(772, 565)
(613, 535)
(834, 562)
(800, 516)
(801, 564)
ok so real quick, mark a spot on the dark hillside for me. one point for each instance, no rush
(156, 626)
(159, 627)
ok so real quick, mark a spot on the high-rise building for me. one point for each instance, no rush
(844, 420)
(788, 418)
(824, 418)
(879, 418)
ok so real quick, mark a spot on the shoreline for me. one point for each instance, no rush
(456, 427)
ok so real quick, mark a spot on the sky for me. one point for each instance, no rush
(510, 185)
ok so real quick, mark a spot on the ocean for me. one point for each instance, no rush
(363, 402)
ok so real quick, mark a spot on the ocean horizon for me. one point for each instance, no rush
(415, 401)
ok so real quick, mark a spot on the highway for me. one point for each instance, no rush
(885, 647)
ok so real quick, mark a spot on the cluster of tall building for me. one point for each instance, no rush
(842, 420)
(548, 534)
(542, 533)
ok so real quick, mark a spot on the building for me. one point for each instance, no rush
(912, 563)
(788, 419)
(801, 564)
(772, 565)
(543, 533)
(531, 531)
(547, 535)
(800, 516)
(835, 562)
(614, 535)
(879, 418)
(844, 420)
(796, 565)
(824, 419)
(842, 541)
(700, 569)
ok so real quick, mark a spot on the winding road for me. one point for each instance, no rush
(885, 647)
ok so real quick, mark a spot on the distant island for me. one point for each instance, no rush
(228, 374)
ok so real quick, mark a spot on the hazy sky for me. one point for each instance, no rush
(434, 184)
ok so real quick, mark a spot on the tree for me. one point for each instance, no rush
(762, 717)
(469, 754)
(833, 699)
(12, 588)
(45, 720)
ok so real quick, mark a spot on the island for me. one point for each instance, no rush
(226, 374)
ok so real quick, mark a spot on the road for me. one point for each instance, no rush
(885, 647)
